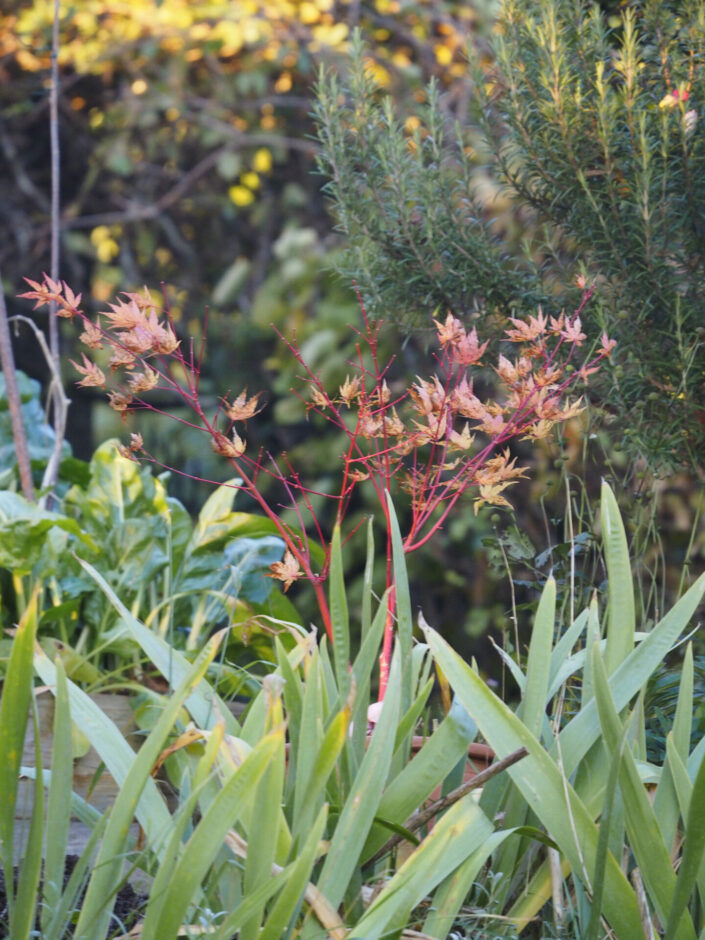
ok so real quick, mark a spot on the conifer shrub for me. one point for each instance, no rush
(594, 124)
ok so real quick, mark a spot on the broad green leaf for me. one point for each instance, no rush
(59, 804)
(203, 846)
(620, 615)
(642, 827)
(339, 616)
(629, 677)
(249, 560)
(462, 831)
(533, 703)
(14, 710)
(95, 912)
(203, 703)
(546, 790)
(691, 859)
(23, 531)
(440, 753)
(211, 525)
(363, 799)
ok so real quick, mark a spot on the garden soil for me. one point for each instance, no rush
(128, 909)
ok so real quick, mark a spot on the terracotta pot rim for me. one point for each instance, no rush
(481, 751)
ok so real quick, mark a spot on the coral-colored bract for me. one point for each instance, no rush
(433, 440)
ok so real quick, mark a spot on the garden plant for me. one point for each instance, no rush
(309, 811)
(434, 440)
(594, 122)
(301, 779)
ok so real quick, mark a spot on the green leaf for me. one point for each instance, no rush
(691, 859)
(362, 802)
(620, 614)
(59, 802)
(284, 909)
(339, 616)
(629, 677)
(642, 828)
(462, 831)
(533, 703)
(203, 703)
(23, 531)
(25, 911)
(249, 560)
(95, 912)
(452, 893)
(14, 709)
(544, 787)
(427, 770)
(402, 601)
(205, 843)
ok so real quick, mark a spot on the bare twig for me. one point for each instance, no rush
(418, 820)
(554, 864)
(7, 361)
(56, 391)
(61, 404)
(55, 178)
(643, 905)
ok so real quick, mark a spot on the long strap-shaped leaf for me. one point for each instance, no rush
(462, 831)
(203, 703)
(14, 709)
(689, 871)
(627, 680)
(99, 900)
(59, 805)
(113, 749)
(543, 785)
(207, 839)
(642, 827)
(620, 616)
(363, 799)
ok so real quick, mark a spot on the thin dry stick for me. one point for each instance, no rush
(61, 405)
(643, 905)
(420, 819)
(7, 361)
(55, 180)
(515, 619)
(554, 864)
(57, 396)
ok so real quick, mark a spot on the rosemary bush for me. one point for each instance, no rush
(594, 124)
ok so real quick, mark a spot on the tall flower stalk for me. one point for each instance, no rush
(432, 440)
